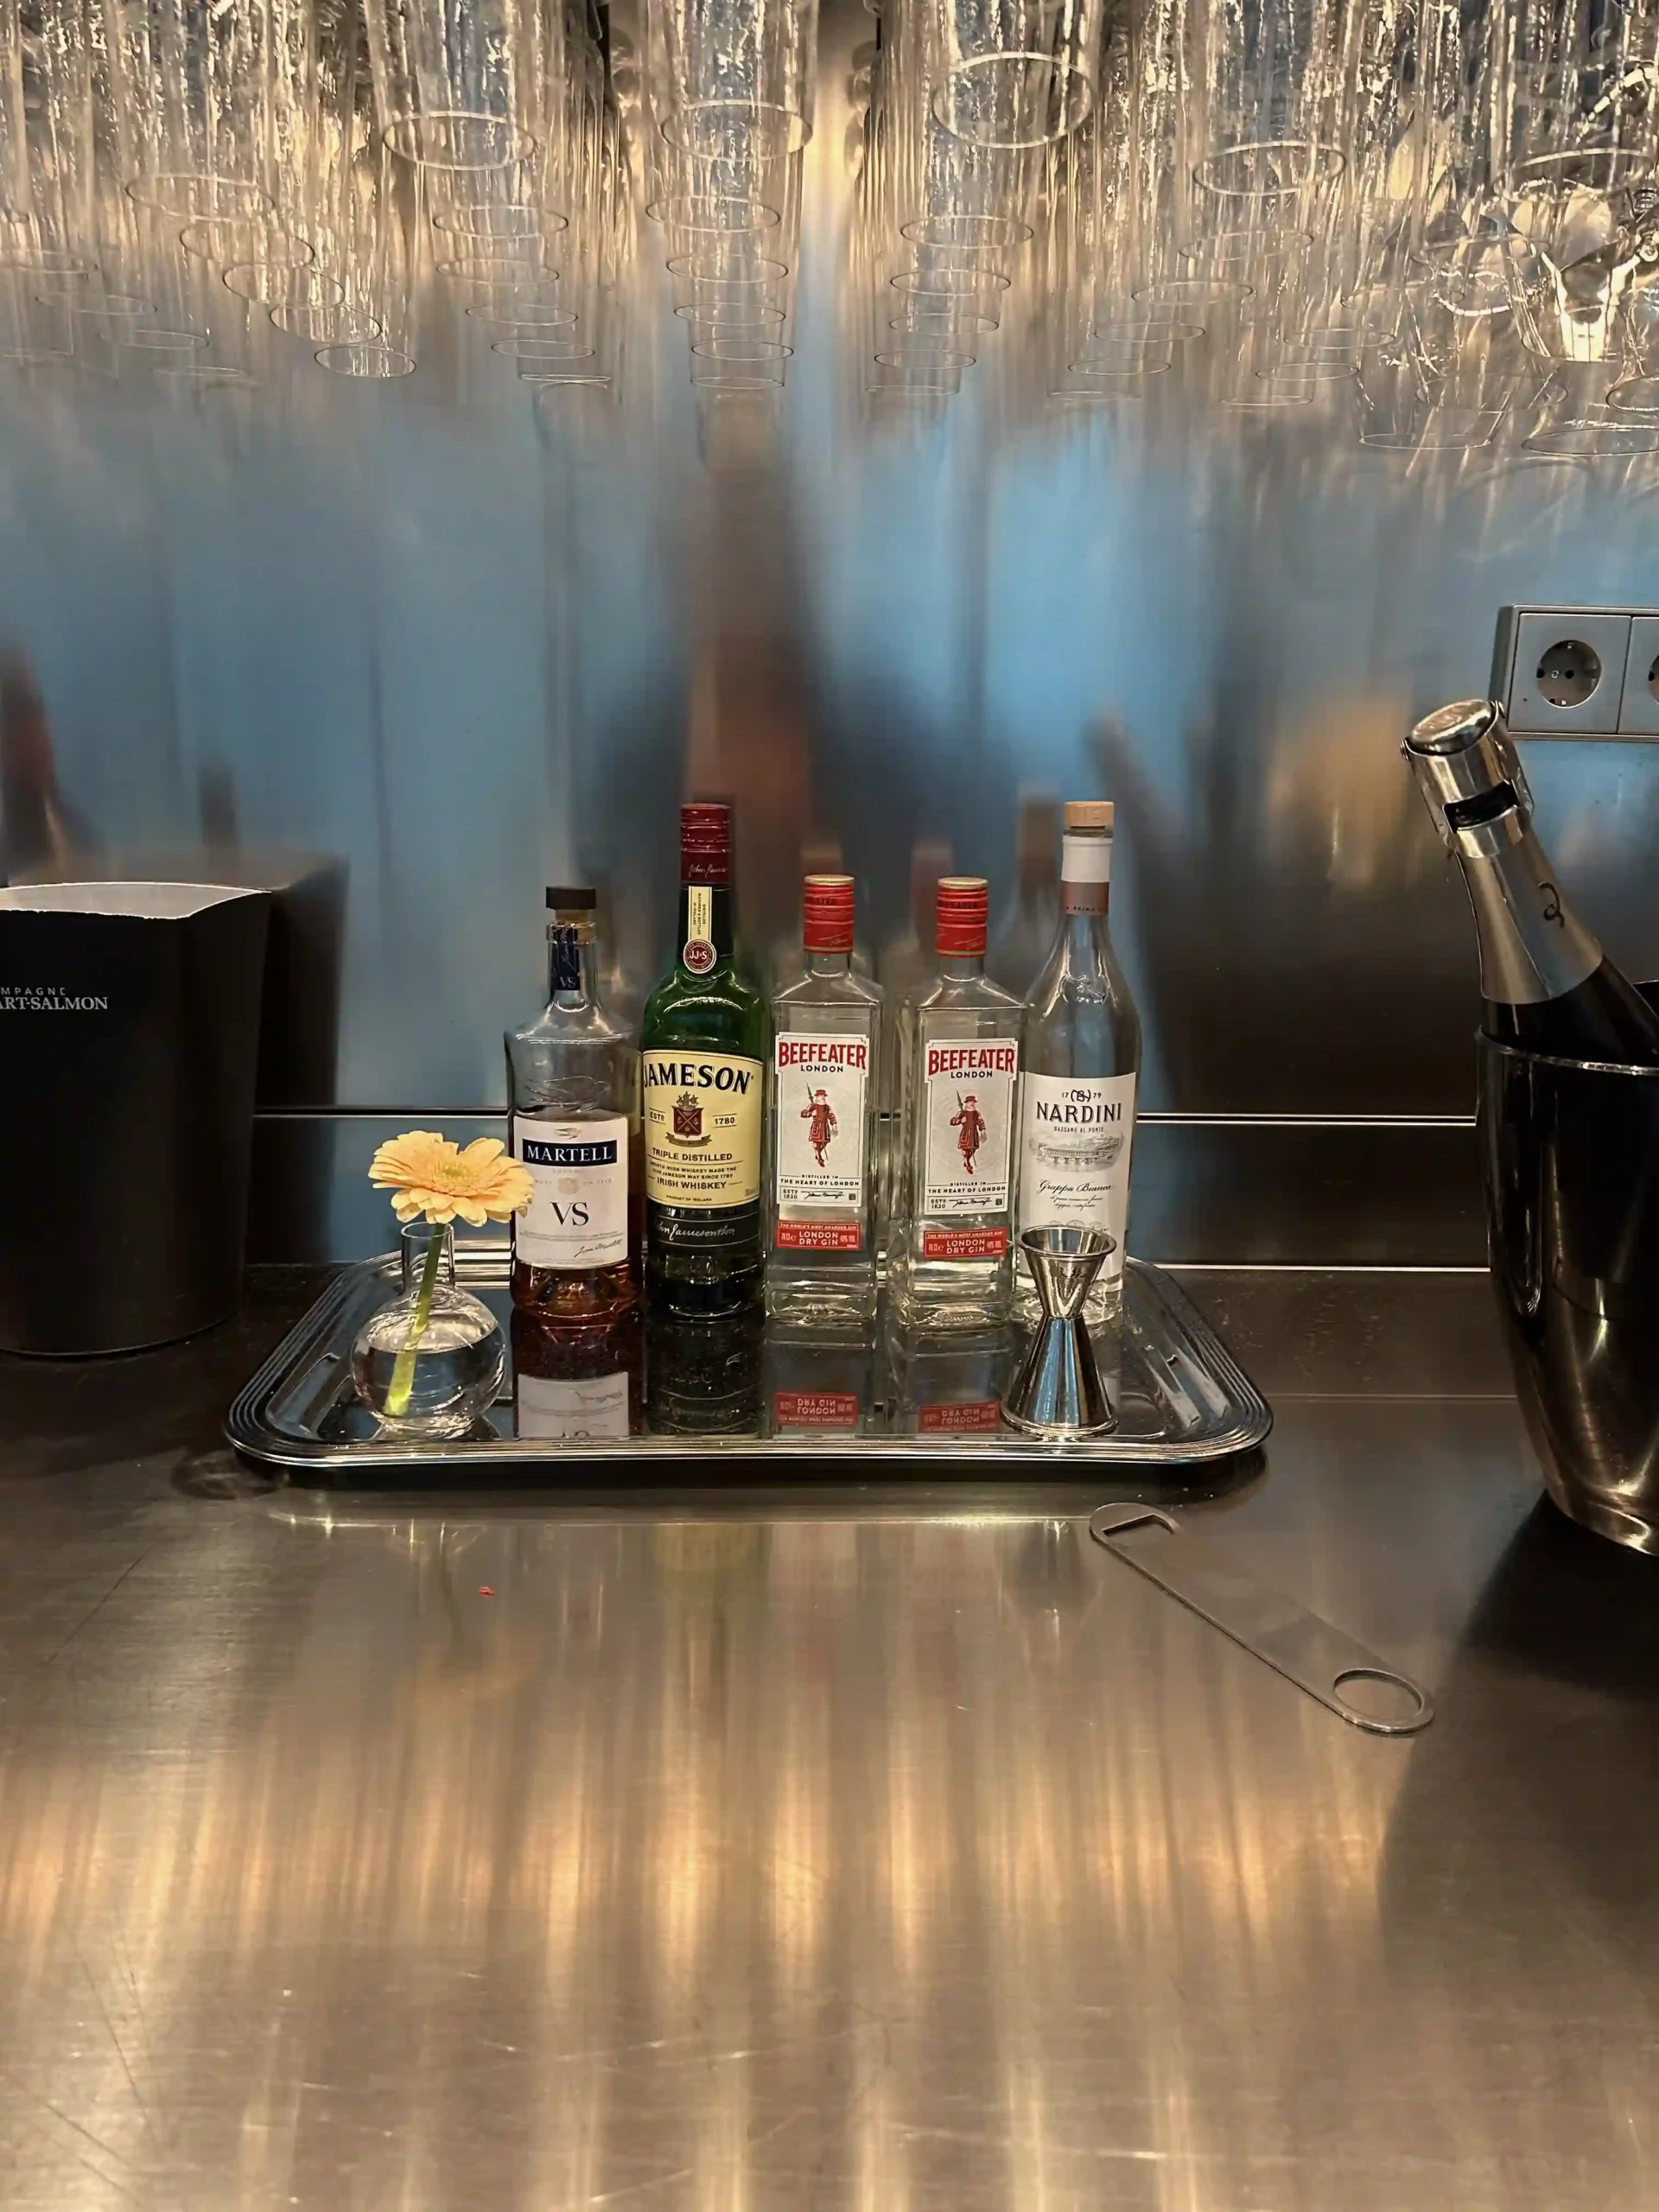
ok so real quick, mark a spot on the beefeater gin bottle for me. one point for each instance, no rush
(826, 1086)
(960, 1043)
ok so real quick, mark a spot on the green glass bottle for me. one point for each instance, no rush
(704, 1048)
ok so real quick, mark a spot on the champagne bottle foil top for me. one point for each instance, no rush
(1463, 751)
(1089, 813)
(827, 914)
(1456, 727)
(568, 900)
(705, 844)
(964, 907)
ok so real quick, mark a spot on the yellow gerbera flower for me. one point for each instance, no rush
(426, 1174)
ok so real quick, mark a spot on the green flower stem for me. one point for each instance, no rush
(402, 1374)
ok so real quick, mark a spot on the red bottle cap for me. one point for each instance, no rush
(964, 903)
(827, 914)
(705, 843)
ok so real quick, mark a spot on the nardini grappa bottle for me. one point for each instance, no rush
(703, 1084)
(1082, 1054)
(950, 1248)
(570, 1094)
(1546, 985)
(826, 1049)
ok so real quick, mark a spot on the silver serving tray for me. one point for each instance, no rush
(666, 1392)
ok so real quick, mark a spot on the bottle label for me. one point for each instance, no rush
(592, 1405)
(968, 1111)
(578, 1212)
(1533, 946)
(819, 1409)
(1075, 1140)
(965, 1243)
(703, 1128)
(698, 954)
(822, 1082)
(1086, 874)
(967, 1417)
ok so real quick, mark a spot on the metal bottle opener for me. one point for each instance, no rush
(1294, 1643)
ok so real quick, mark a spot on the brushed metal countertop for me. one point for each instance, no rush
(832, 1851)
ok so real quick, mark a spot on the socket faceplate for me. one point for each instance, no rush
(1577, 672)
(1638, 712)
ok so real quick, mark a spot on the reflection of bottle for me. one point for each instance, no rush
(38, 828)
(826, 1052)
(905, 967)
(1082, 1049)
(818, 1387)
(578, 1382)
(905, 963)
(949, 1386)
(570, 1076)
(787, 960)
(702, 1377)
(951, 1231)
(702, 1064)
(1545, 983)
(1023, 936)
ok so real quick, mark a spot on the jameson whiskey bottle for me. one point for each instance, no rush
(1083, 1054)
(703, 1084)
(1546, 984)
(570, 1090)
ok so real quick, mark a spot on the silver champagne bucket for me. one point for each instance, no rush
(1570, 1154)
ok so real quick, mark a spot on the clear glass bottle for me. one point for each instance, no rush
(1083, 1057)
(574, 1124)
(429, 1362)
(706, 1037)
(950, 1263)
(823, 1098)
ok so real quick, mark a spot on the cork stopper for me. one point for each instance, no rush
(827, 914)
(1089, 813)
(706, 843)
(964, 907)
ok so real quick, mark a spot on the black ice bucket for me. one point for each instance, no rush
(1570, 1152)
(129, 1034)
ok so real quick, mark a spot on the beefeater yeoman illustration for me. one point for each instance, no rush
(820, 1118)
(970, 1124)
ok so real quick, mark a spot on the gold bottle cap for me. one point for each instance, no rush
(1089, 814)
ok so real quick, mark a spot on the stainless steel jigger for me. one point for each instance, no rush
(1058, 1391)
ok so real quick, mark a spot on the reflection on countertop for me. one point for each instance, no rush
(798, 1846)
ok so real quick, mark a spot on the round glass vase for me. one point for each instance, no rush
(427, 1364)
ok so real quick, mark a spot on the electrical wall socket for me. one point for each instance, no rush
(1638, 712)
(1566, 670)
(1577, 672)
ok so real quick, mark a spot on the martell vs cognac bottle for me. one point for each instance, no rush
(571, 1086)
(1546, 985)
(703, 1074)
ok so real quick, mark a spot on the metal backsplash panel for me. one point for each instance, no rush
(409, 648)
(428, 661)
